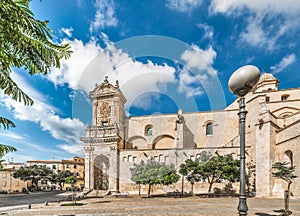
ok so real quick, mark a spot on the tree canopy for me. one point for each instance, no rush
(60, 177)
(33, 173)
(219, 168)
(189, 169)
(152, 173)
(25, 42)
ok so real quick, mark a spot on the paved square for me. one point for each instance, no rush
(135, 205)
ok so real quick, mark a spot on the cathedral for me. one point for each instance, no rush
(114, 142)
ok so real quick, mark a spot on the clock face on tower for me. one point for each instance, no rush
(103, 114)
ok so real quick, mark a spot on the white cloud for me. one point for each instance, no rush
(90, 63)
(259, 32)
(105, 15)
(44, 114)
(11, 135)
(199, 59)
(67, 31)
(284, 63)
(73, 149)
(279, 6)
(183, 5)
(208, 30)
(72, 68)
(18, 157)
(198, 69)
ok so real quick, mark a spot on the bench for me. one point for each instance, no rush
(174, 194)
(122, 194)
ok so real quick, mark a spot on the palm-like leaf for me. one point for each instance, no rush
(4, 149)
(24, 42)
(6, 123)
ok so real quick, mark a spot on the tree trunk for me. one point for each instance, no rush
(139, 189)
(192, 189)
(209, 188)
(182, 183)
(36, 184)
(149, 189)
(287, 195)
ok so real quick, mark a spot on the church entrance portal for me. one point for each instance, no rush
(101, 173)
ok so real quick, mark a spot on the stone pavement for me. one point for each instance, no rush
(135, 205)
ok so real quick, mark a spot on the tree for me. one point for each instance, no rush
(189, 168)
(189, 171)
(25, 42)
(60, 177)
(219, 168)
(4, 149)
(34, 174)
(72, 180)
(152, 173)
(286, 173)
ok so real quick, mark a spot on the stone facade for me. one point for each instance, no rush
(114, 142)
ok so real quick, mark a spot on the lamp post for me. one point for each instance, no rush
(240, 83)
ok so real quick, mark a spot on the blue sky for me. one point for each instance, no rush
(166, 54)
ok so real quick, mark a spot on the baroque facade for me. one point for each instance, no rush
(114, 142)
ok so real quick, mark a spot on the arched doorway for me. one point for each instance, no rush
(101, 173)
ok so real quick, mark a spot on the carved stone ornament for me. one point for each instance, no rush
(103, 113)
(105, 89)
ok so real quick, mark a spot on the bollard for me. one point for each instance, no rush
(29, 206)
(46, 203)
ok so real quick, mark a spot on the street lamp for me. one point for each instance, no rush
(240, 83)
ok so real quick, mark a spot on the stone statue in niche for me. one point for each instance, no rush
(180, 118)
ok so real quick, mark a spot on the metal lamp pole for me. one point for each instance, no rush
(242, 207)
(240, 83)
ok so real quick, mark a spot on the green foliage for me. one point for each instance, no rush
(71, 180)
(189, 169)
(284, 172)
(152, 173)
(33, 173)
(72, 204)
(60, 177)
(25, 42)
(214, 170)
(219, 168)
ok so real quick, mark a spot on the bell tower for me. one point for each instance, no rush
(104, 137)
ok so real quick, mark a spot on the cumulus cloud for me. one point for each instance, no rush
(259, 32)
(183, 5)
(105, 15)
(284, 63)
(198, 69)
(42, 113)
(230, 6)
(208, 30)
(67, 31)
(90, 63)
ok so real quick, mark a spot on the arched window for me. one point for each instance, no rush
(289, 155)
(209, 128)
(148, 130)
